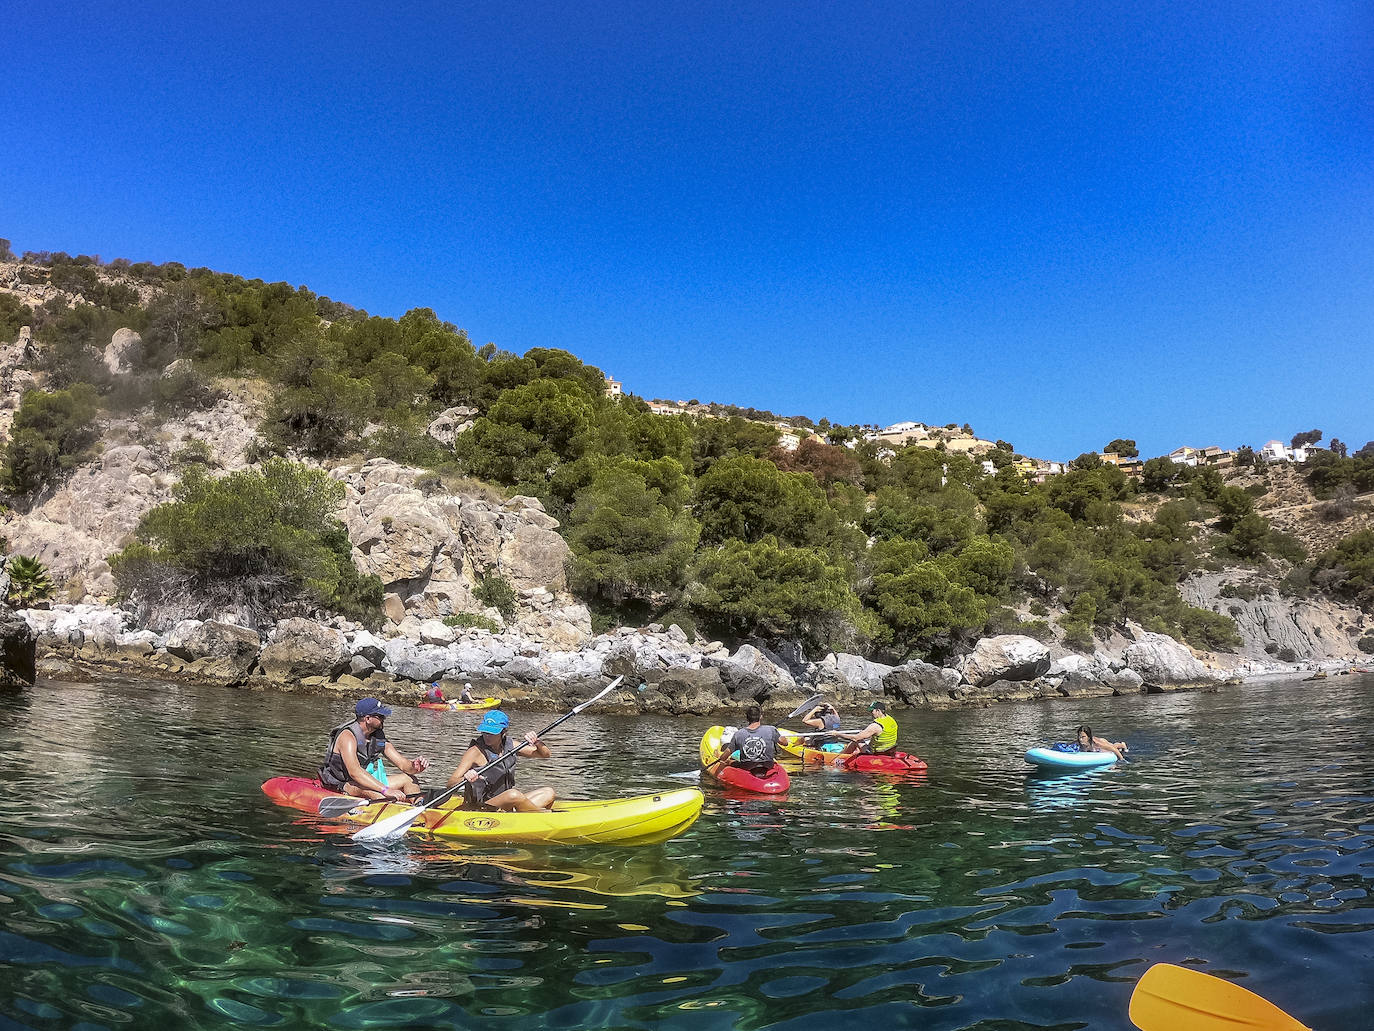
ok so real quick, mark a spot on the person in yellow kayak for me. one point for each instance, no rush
(878, 738)
(495, 789)
(824, 717)
(466, 697)
(435, 693)
(353, 761)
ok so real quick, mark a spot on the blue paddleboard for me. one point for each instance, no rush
(1052, 758)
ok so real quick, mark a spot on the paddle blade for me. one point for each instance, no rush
(1169, 998)
(389, 828)
(338, 806)
(805, 706)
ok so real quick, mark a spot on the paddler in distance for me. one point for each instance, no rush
(496, 788)
(878, 738)
(353, 761)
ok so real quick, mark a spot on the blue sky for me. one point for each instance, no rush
(1062, 223)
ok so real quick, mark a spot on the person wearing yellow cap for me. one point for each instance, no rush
(353, 761)
(495, 788)
(878, 738)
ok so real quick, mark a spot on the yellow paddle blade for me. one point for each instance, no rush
(1170, 998)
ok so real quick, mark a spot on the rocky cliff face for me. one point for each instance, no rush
(432, 551)
(1313, 628)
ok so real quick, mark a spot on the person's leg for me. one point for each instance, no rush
(404, 782)
(517, 800)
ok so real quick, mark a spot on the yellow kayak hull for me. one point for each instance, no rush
(639, 820)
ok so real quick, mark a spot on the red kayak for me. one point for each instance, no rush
(856, 762)
(774, 782)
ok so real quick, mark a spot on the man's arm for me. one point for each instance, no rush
(862, 735)
(414, 767)
(348, 752)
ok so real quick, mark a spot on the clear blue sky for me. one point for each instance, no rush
(1061, 222)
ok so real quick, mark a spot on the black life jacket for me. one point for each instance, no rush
(333, 774)
(499, 778)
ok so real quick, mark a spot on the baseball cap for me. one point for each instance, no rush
(880, 704)
(371, 707)
(494, 722)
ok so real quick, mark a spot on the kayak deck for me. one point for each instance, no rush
(485, 703)
(640, 820)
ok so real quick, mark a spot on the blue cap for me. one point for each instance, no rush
(371, 707)
(494, 722)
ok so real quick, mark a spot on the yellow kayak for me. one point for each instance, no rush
(640, 820)
(452, 706)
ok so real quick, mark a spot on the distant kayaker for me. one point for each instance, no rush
(496, 788)
(466, 697)
(754, 746)
(878, 738)
(824, 717)
(1088, 743)
(435, 693)
(353, 761)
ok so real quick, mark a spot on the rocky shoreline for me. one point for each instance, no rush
(671, 675)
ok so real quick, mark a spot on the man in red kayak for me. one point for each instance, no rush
(753, 747)
(878, 738)
(353, 762)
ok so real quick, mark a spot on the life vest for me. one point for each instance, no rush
(830, 721)
(334, 774)
(499, 778)
(886, 739)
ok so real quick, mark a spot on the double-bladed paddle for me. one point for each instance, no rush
(391, 827)
(1170, 997)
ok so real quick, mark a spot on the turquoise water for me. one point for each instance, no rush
(144, 878)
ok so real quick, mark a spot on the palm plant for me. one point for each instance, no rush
(29, 581)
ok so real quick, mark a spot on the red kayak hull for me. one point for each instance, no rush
(774, 782)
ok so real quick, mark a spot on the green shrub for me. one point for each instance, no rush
(1366, 644)
(495, 590)
(1287, 655)
(472, 621)
(270, 528)
(1272, 648)
(194, 452)
(52, 433)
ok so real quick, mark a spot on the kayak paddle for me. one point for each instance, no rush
(1169, 997)
(814, 700)
(391, 827)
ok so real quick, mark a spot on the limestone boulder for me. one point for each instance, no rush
(450, 423)
(17, 651)
(920, 683)
(232, 650)
(1010, 657)
(1160, 660)
(301, 648)
(423, 663)
(696, 692)
(124, 349)
(368, 645)
(861, 674)
(749, 675)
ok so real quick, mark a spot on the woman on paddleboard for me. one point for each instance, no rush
(1088, 743)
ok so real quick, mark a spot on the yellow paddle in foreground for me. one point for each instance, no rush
(1170, 998)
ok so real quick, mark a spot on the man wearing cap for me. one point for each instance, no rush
(878, 738)
(495, 788)
(353, 761)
